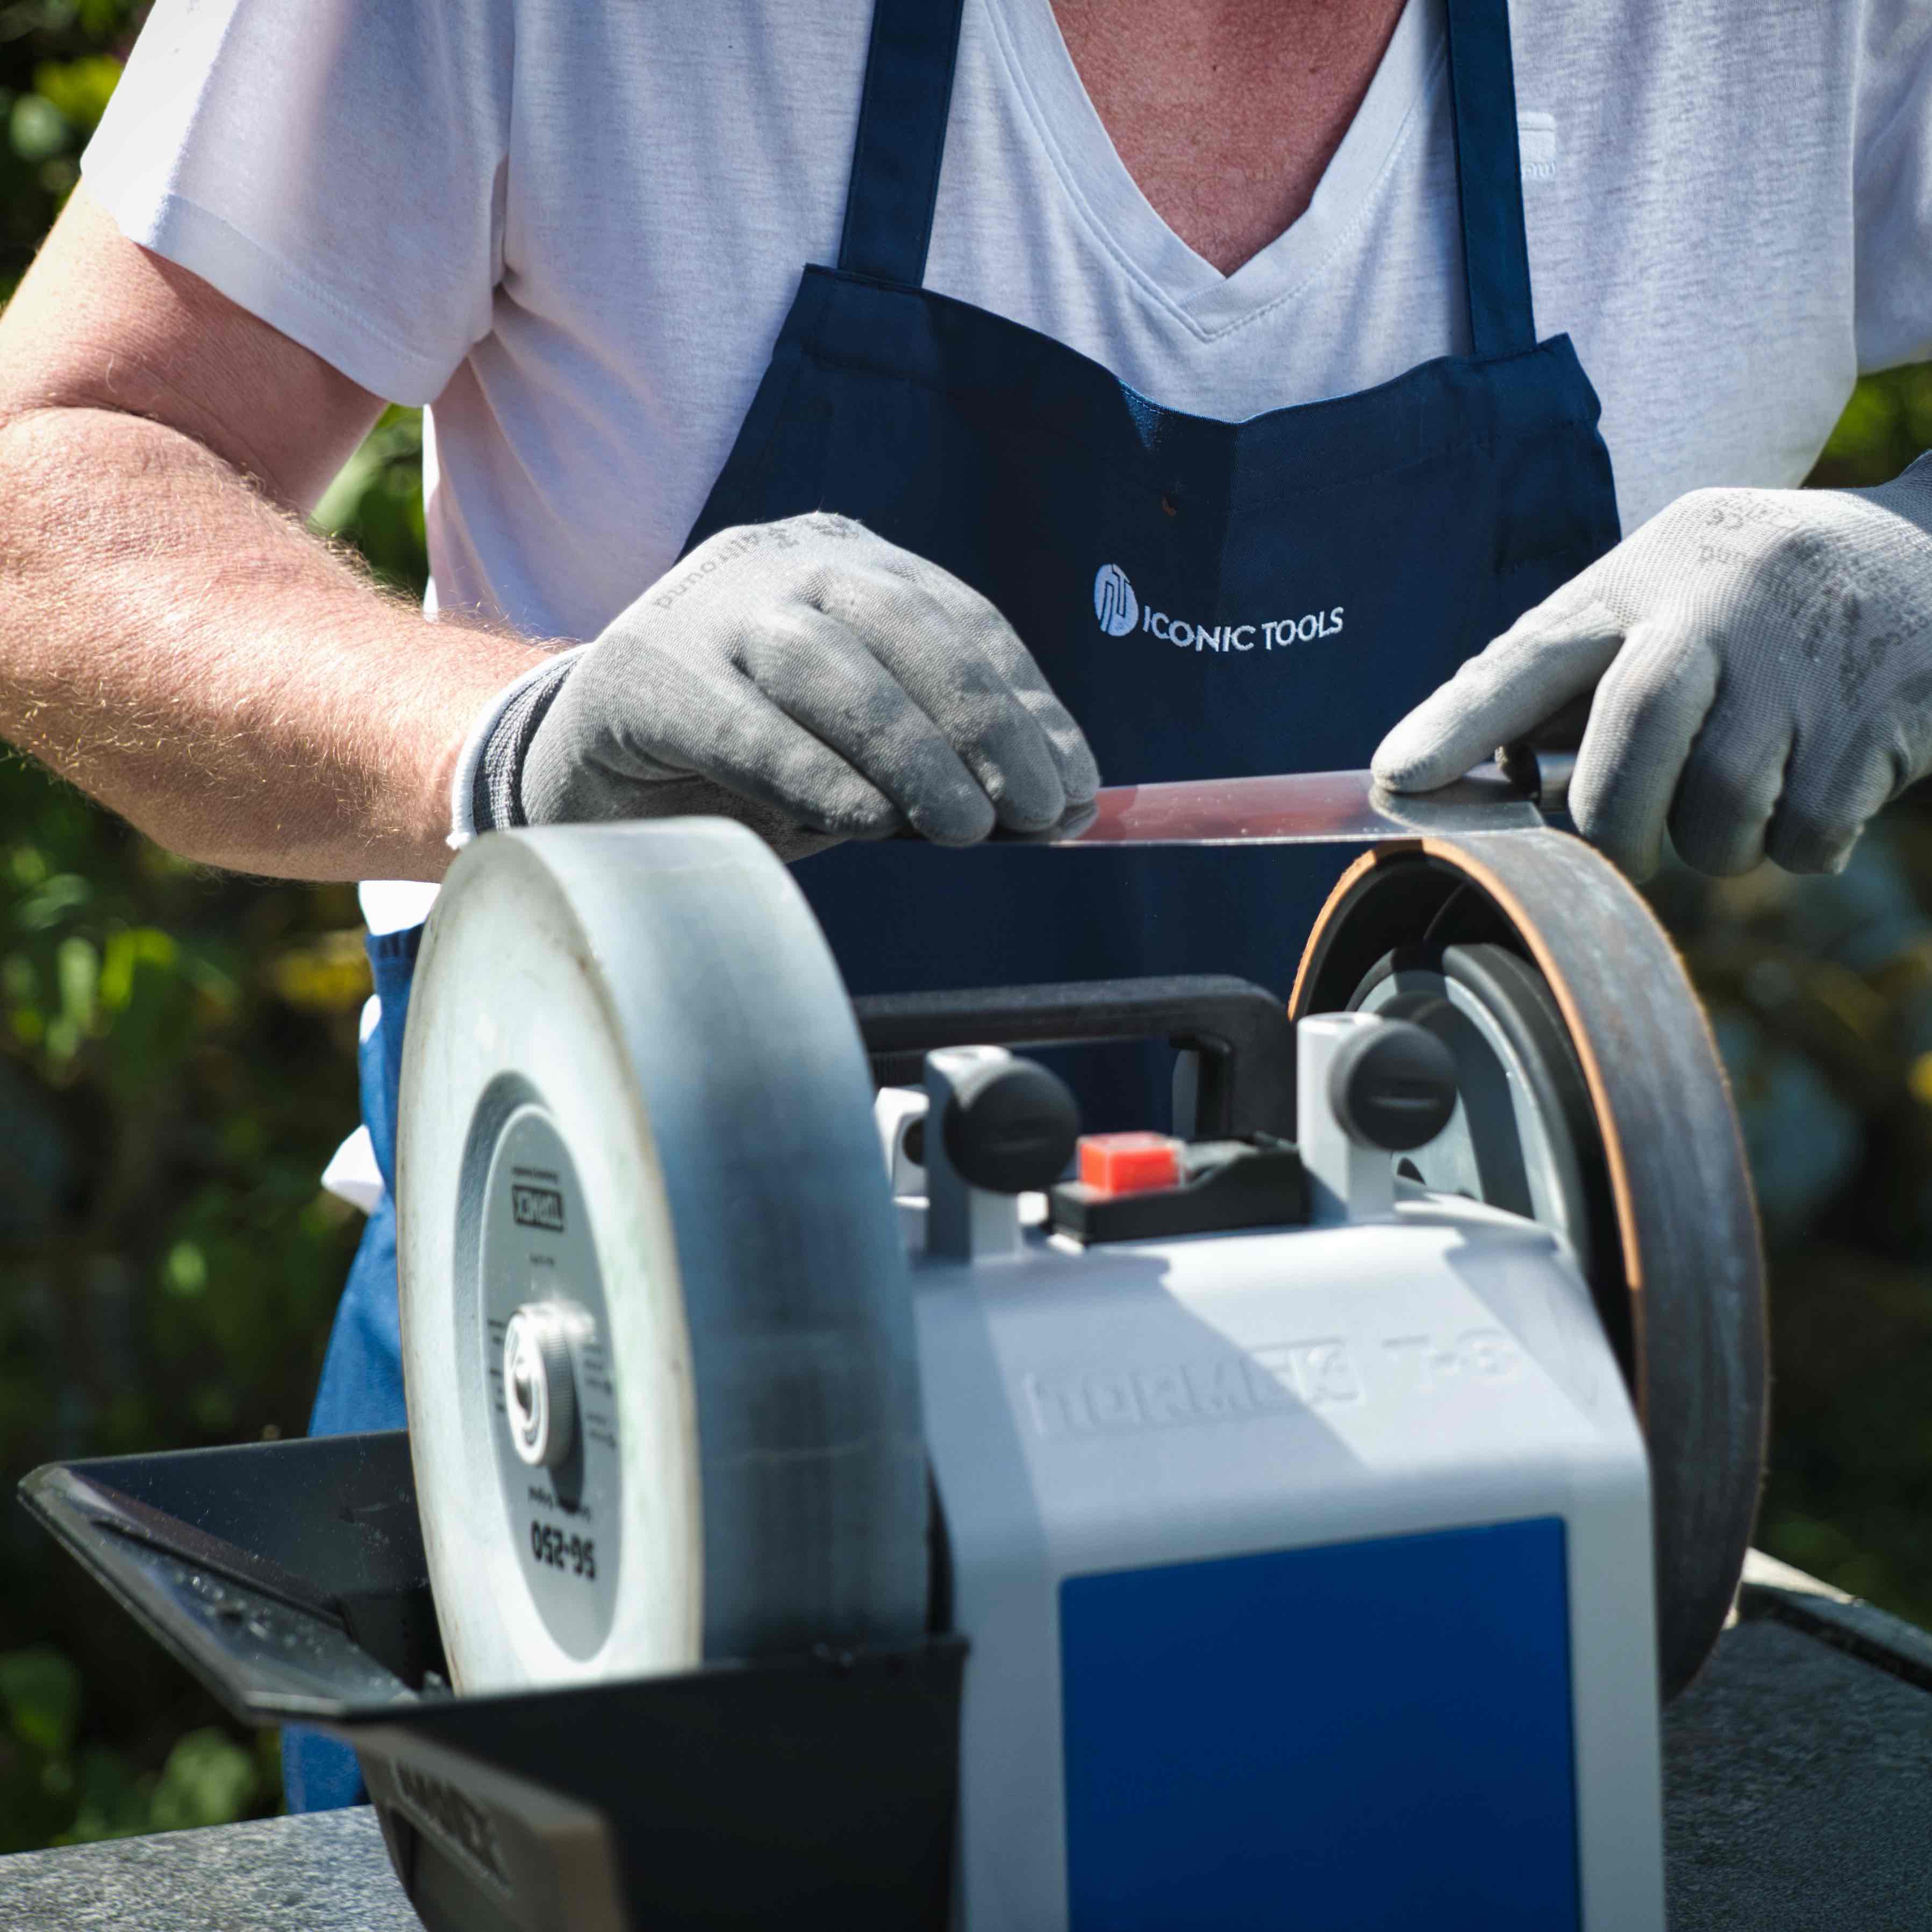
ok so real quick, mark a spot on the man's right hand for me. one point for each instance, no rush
(807, 677)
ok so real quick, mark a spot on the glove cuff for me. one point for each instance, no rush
(1917, 475)
(484, 793)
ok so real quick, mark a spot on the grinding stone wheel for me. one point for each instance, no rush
(1531, 955)
(657, 1336)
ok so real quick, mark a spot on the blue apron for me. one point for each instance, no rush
(1207, 598)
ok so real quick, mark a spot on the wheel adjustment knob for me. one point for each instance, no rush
(1393, 1086)
(1010, 1126)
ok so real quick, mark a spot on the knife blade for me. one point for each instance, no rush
(1521, 790)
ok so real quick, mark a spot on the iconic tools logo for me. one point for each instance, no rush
(1117, 609)
(1114, 603)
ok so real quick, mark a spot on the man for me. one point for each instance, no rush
(1197, 387)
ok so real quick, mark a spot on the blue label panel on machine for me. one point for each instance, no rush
(1372, 1734)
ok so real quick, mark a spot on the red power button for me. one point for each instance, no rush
(1129, 1163)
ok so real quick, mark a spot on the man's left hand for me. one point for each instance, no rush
(1762, 663)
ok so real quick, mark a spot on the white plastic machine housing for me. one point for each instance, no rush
(1307, 1571)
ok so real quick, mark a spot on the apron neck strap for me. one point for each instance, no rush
(901, 141)
(1488, 176)
(902, 115)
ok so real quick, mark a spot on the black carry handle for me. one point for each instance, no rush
(1239, 1032)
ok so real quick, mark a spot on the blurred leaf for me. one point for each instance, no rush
(78, 89)
(52, 901)
(185, 1271)
(41, 1691)
(268, 1766)
(1912, 389)
(114, 1801)
(1886, 423)
(337, 510)
(376, 502)
(208, 1779)
(127, 950)
(100, 18)
(36, 128)
(1870, 421)
(78, 965)
(329, 975)
(213, 1408)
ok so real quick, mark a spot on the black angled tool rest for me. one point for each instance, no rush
(290, 1578)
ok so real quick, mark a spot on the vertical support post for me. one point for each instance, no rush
(1348, 1180)
(963, 1222)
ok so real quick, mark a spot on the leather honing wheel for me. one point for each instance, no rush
(657, 1336)
(1642, 1150)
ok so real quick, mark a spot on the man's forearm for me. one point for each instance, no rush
(194, 657)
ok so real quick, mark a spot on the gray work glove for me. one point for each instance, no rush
(1762, 661)
(806, 677)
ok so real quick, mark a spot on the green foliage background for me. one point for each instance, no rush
(176, 1063)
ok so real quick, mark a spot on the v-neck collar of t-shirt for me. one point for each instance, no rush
(1041, 72)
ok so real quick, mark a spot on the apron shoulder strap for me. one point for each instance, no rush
(1489, 173)
(902, 140)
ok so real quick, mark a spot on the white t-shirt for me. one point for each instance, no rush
(574, 228)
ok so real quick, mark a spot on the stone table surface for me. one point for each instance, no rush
(1798, 1797)
(327, 1872)
(1798, 1792)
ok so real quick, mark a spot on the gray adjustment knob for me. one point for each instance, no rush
(540, 1384)
(1393, 1085)
(1010, 1126)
